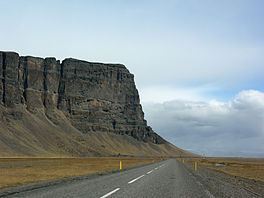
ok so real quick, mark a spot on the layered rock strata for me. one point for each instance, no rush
(95, 97)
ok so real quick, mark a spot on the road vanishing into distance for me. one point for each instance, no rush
(168, 178)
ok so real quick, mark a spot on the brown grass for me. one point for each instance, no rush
(249, 168)
(18, 171)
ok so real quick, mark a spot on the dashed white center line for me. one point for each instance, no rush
(150, 172)
(209, 194)
(136, 179)
(110, 193)
(130, 182)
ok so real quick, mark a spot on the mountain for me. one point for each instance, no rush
(72, 108)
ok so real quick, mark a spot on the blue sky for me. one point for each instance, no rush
(192, 51)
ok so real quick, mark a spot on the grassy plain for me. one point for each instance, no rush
(19, 171)
(249, 168)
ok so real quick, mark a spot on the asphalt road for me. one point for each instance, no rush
(164, 179)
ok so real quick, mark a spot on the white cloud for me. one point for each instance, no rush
(233, 128)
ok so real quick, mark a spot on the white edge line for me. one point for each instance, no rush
(156, 168)
(110, 193)
(150, 172)
(136, 179)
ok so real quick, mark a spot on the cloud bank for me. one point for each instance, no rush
(233, 128)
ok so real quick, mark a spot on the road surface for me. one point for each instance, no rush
(168, 178)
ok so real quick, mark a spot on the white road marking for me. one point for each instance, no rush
(156, 168)
(136, 179)
(150, 172)
(110, 193)
(199, 183)
(209, 194)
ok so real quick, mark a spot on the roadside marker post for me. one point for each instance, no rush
(195, 166)
(120, 165)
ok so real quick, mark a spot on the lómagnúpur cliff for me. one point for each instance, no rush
(80, 99)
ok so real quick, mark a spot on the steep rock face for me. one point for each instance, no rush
(95, 97)
(10, 92)
(1, 78)
(39, 80)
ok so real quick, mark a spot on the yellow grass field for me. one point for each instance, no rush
(18, 171)
(250, 168)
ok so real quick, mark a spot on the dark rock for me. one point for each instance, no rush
(51, 79)
(10, 62)
(32, 81)
(1, 77)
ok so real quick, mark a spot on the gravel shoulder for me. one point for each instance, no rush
(224, 185)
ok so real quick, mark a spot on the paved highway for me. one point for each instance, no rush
(164, 179)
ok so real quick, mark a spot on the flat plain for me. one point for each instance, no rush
(248, 168)
(20, 171)
(246, 173)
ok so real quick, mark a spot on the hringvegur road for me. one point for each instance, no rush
(164, 179)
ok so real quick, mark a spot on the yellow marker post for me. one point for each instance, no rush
(120, 165)
(195, 166)
(183, 161)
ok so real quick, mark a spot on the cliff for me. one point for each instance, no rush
(89, 97)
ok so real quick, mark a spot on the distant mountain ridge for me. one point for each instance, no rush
(74, 97)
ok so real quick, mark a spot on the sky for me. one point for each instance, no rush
(198, 64)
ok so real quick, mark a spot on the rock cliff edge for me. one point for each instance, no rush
(95, 97)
